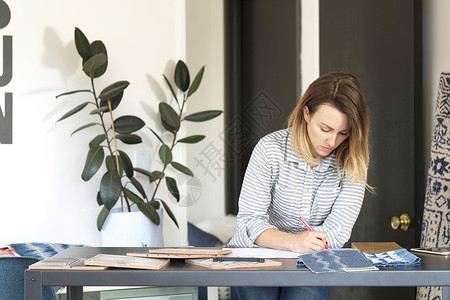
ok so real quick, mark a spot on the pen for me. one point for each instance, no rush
(250, 259)
(310, 229)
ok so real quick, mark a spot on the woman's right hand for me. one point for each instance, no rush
(306, 241)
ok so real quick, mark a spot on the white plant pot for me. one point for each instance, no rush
(131, 229)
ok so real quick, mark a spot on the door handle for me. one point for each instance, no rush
(403, 222)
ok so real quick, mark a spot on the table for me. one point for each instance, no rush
(434, 271)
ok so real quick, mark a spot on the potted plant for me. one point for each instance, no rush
(120, 172)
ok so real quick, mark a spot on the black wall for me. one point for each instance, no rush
(262, 78)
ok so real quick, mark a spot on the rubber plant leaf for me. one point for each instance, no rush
(98, 47)
(84, 127)
(93, 162)
(102, 218)
(182, 169)
(128, 124)
(155, 175)
(113, 89)
(169, 115)
(181, 76)
(95, 142)
(157, 136)
(155, 204)
(73, 111)
(133, 197)
(99, 110)
(99, 200)
(168, 127)
(142, 171)
(165, 154)
(127, 164)
(150, 212)
(138, 186)
(82, 44)
(110, 164)
(203, 115)
(172, 187)
(94, 63)
(169, 212)
(129, 139)
(171, 88)
(110, 188)
(196, 83)
(191, 139)
(115, 101)
(73, 92)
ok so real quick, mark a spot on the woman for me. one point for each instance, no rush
(315, 169)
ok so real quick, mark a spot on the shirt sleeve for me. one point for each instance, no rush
(254, 200)
(339, 223)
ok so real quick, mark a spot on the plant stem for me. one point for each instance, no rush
(105, 132)
(171, 147)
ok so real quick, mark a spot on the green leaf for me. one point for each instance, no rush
(150, 212)
(129, 139)
(85, 126)
(191, 139)
(169, 115)
(171, 88)
(138, 186)
(172, 187)
(169, 212)
(165, 154)
(168, 127)
(94, 63)
(196, 82)
(98, 47)
(99, 200)
(181, 76)
(127, 164)
(182, 168)
(142, 171)
(110, 164)
(155, 175)
(82, 44)
(115, 101)
(155, 204)
(133, 197)
(110, 187)
(102, 218)
(73, 92)
(157, 136)
(203, 115)
(73, 111)
(94, 161)
(128, 124)
(100, 110)
(95, 142)
(113, 89)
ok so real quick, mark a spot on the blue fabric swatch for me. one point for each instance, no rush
(333, 260)
(400, 257)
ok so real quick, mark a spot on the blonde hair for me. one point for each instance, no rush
(341, 91)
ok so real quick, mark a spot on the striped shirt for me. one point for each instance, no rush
(279, 187)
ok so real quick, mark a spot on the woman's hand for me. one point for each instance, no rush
(299, 242)
(306, 241)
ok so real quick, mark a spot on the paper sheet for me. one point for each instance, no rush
(261, 252)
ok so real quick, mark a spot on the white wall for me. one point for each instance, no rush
(42, 195)
(436, 59)
(205, 47)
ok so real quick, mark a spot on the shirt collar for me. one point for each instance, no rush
(289, 155)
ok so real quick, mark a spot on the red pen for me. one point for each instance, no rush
(310, 229)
